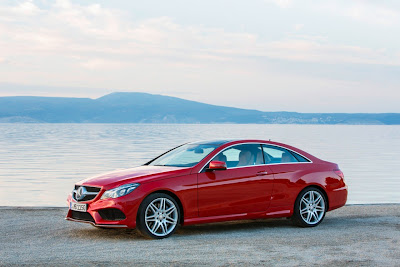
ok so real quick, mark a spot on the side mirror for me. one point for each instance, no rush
(217, 165)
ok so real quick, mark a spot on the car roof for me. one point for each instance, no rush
(214, 142)
(227, 142)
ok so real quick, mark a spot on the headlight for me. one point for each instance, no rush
(119, 191)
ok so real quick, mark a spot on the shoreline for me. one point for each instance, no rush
(62, 207)
(355, 235)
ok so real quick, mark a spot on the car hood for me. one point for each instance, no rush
(140, 174)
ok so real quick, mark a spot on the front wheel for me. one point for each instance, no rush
(158, 216)
(310, 208)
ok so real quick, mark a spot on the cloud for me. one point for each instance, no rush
(281, 3)
(99, 63)
(99, 35)
(12, 13)
(298, 27)
(89, 45)
(319, 51)
(370, 12)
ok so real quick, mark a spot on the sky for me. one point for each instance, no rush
(269, 55)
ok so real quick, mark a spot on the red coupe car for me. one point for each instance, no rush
(212, 181)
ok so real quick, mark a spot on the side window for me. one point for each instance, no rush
(241, 155)
(273, 154)
(300, 158)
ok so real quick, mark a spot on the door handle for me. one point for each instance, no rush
(262, 173)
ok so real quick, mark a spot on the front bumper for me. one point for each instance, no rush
(128, 206)
(98, 225)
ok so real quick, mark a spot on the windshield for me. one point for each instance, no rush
(184, 156)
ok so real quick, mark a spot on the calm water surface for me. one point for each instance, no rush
(39, 163)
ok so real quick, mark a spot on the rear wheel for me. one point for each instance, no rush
(310, 208)
(158, 216)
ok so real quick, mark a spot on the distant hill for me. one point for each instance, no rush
(147, 108)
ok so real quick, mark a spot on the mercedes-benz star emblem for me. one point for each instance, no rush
(80, 193)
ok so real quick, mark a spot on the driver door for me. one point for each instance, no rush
(244, 187)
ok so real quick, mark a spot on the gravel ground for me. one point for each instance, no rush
(358, 235)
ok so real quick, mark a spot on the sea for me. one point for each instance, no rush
(40, 163)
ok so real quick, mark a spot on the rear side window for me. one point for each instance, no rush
(300, 158)
(273, 154)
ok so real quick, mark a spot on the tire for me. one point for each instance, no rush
(158, 216)
(309, 208)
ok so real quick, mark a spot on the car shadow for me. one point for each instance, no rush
(231, 227)
(234, 226)
(93, 233)
(90, 232)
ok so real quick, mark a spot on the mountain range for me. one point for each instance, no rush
(133, 107)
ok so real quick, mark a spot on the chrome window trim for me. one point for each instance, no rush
(247, 166)
(265, 164)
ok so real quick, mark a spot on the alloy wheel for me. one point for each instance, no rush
(312, 207)
(161, 217)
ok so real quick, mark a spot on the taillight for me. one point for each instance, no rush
(339, 173)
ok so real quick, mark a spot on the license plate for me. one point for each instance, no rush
(78, 206)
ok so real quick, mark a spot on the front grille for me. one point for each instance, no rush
(83, 216)
(92, 192)
(86, 198)
(89, 188)
(112, 214)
